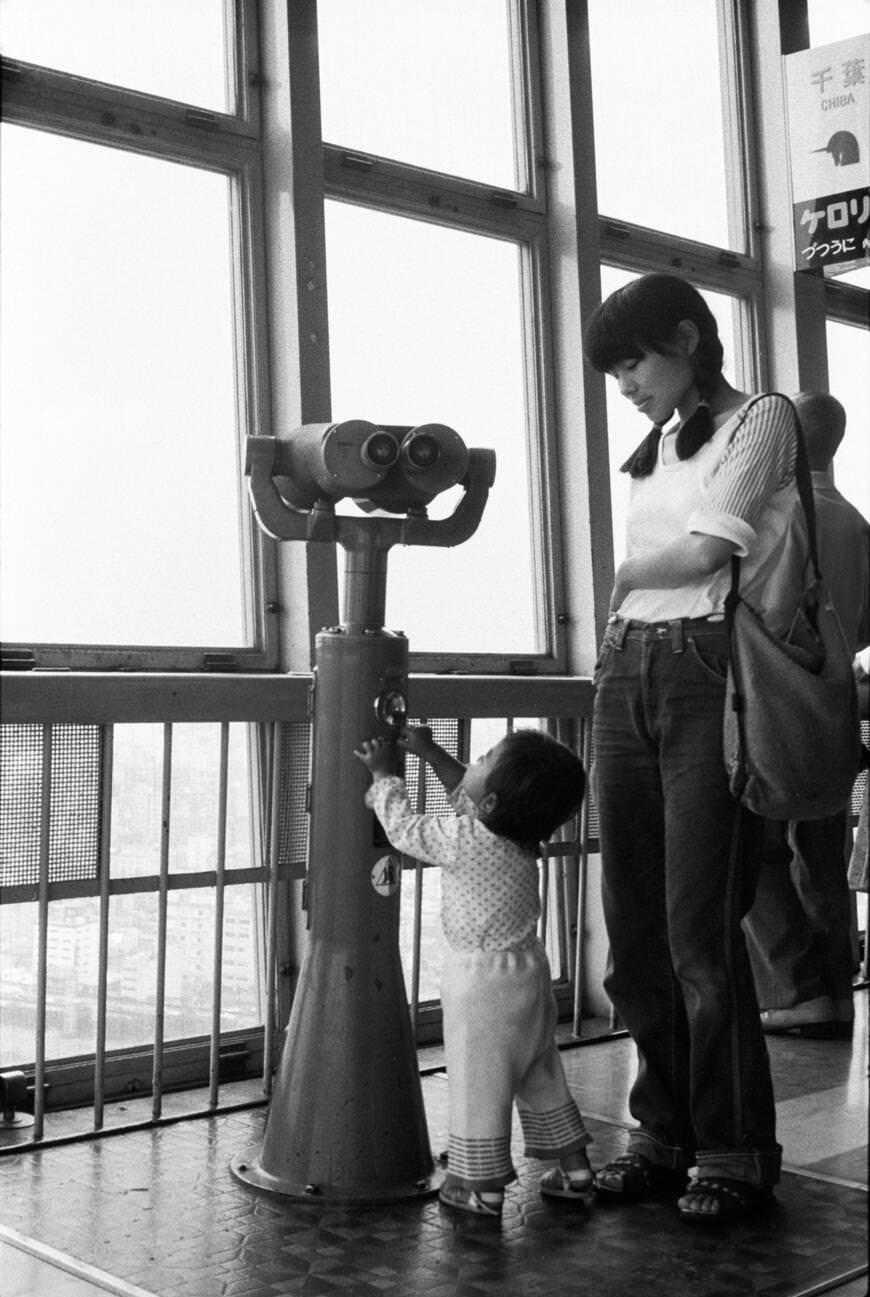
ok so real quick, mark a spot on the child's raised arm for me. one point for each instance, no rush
(379, 756)
(418, 739)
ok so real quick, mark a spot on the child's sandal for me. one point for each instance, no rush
(461, 1198)
(558, 1183)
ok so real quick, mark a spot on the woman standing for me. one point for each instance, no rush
(714, 478)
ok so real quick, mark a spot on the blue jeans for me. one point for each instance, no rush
(675, 884)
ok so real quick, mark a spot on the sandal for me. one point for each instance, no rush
(732, 1200)
(462, 1198)
(633, 1177)
(558, 1183)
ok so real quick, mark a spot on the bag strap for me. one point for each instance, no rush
(804, 484)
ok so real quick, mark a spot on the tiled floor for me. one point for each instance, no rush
(160, 1211)
(33, 1270)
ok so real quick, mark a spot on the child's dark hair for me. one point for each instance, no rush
(643, 316)
(539, 784)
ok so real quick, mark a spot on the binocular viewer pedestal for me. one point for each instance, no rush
(346, 1121)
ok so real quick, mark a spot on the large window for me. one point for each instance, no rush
(132, 352)
(663, 158)
(673, 150)
(125, 43)
(431, 85)
(120, 489)
(426, 326)
(434, 289)
(129, 344)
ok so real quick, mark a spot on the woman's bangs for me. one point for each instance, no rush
(612, 338)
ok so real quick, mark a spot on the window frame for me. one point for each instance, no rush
(737, 274)
(518, 216)
(64, 104)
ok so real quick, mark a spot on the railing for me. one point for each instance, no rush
(276, 709)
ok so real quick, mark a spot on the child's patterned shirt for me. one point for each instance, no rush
(489, 884)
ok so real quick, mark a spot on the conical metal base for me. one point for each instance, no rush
(346, 1121)
(251, 1172)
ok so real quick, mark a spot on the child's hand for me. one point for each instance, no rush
(379, 755)
(416, 739)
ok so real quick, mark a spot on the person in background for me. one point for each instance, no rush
(801, 928)
(859, 861)
(714, 477)
(496, 988)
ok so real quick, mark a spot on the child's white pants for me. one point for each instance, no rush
(499, 1043)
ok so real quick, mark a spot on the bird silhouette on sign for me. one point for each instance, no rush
(843, 148)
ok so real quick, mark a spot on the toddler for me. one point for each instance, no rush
(496, 993)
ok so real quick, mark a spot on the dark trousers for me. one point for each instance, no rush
(800, 927)
(675, 887)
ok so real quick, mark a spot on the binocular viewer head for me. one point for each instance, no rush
(380, 467)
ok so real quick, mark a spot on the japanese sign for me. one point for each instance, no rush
(828, 90)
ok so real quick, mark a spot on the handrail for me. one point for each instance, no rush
(57, 698)
(107, 697)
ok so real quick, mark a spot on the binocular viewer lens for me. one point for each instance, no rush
(381, 450)
(421, 450)
(381, 466)
(417, 450)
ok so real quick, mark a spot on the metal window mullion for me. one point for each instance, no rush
(847, 303)
(740, 197)
(373, 179)
(103, 957)
(76, 105)
(526, 95)
(162, 915)
(274, 845)
(241, 24)
(220, 881)
(541, 452)
(253, 408)
(42, 934)
(636, 247)
(168, 660)
(294, 238)
(751, 369)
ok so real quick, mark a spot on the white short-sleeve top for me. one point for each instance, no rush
(739, 486)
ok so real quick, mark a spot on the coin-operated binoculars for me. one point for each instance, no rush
(346, 1121)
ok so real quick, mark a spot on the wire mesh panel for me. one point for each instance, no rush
(860, 789)
(76, 814)
(452, 735)
(293, 799)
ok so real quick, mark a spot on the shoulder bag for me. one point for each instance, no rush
(791, 734)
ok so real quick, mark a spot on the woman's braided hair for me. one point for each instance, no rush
(643, 316)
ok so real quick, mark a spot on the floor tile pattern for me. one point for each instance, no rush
(161, 1209)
